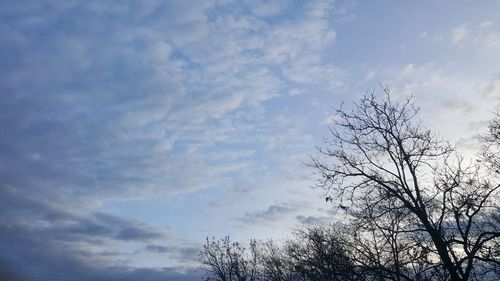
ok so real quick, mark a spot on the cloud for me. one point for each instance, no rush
(450, 99)
(183, 254)
(70, 270)
(480, 38)
(134, 101)
(174, 103)
(458, 34)
(463, 106)
(265, 8)
(488, 42)
(158, 249)
(486, 24)
(43, 239)
(492, 90)
(33, 256)
(313, 220)
(272, 214)
(370, 75)
(136, 233)
(408, 69)
(61, 225)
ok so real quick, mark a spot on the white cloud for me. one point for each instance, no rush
(449, 99)
(408, 69)
(370, 75)
(162, 50)
(458, 34)
(482, 38)
(272, 214)
(486, 24)
(265, 8)
(488, 42)
(492, 90)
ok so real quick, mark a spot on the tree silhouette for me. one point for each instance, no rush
(419, 210)
(313, 253)
(319, 253)
(229, 261)
(414, 208)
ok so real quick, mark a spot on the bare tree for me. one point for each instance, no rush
(380, 250)
(313, 253)
(411, 193)
(491, 159)
(491, 145)
(317, 253)
(225, 260)
(275, 264)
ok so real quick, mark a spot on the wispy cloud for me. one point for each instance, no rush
(179, 106)
(482, 37)
(127, 101)
(183, 254)
(313, 220)
(458, 34)
(271, 215)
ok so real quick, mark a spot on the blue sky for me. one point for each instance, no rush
(132, 130)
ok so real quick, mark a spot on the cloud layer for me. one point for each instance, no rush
(130, 130)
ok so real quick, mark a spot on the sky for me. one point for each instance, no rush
(132, 130)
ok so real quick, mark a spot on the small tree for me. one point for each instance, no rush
(229, 261)
(411, 194)
(318, 253)
(313, 253)
(275, 263)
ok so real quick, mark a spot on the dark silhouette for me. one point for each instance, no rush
(414, 208)
(229, 261)
(420, 211)
(314, 253)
